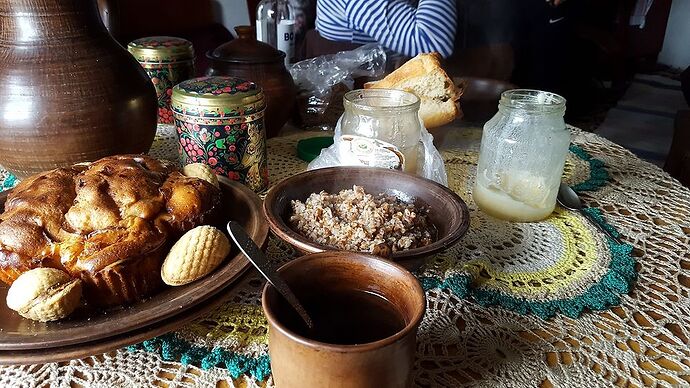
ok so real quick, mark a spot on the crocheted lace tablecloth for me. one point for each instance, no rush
(473, 334)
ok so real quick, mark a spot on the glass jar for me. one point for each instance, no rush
(381, 128)
(522, 154)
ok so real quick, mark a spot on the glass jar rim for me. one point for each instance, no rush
(388, 100)
(532, 100)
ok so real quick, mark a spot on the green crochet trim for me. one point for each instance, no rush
(604, 294)
(173, 348)
(598, 175)
(600, 296)
(10, 182)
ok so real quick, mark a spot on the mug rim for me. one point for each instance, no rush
(368, 346)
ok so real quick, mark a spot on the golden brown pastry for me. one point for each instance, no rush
(424, 77)
(109, 223)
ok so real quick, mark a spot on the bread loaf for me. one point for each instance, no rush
(424, 77)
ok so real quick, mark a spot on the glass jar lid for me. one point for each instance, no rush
(233, 96)
(161, 49)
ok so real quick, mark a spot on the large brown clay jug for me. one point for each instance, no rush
(68, 91)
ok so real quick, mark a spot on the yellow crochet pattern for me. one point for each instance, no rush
(562, 264)
(576, 259)
(557, 266)
(232, 325)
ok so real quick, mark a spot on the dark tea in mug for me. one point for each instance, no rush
(347, 317)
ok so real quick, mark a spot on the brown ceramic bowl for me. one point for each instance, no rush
(299, 361)
(447, 211)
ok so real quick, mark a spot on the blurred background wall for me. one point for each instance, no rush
(676, 49)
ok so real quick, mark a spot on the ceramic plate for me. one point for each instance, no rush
(86, 349)
(17, 333)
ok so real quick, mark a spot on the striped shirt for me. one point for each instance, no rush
(407, 27)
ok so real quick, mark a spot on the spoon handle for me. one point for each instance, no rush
(254, 254)
(600, 227)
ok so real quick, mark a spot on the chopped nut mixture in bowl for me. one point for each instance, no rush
(354, 220)
(385, 212)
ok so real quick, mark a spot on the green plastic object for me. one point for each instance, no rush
(309, 149)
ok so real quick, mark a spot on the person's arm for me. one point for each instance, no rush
(405, 28)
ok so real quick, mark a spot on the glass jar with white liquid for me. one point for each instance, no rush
(522, 155)
(381, 128)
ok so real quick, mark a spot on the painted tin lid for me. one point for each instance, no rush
(218, 96)
(161, 49)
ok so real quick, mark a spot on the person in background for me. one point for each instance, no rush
(541, 43)
(524, 42)
(305, 16)
(406, 27)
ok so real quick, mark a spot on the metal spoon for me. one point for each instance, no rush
(568, 198)
(256, 257)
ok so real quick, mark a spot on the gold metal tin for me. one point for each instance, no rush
(161, 49)
(217, 97)
(220, 122)
(167, 61)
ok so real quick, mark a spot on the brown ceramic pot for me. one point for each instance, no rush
(68, 91)
(249, 59)
(297, 361)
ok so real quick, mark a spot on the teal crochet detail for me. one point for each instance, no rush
(458, 284)
(598, 175)
(618, 280)
(173, 348)
(9, 182)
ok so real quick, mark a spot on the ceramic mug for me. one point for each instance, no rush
(300, 361)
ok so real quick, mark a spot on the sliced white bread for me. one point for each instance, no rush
(424, 76)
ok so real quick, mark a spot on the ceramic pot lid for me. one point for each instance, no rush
(246, 49)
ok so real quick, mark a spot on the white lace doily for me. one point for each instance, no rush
(642, 342)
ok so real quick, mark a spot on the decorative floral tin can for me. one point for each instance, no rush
(220, 122)
(168, 61)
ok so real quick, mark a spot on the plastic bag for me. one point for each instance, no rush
(323, 80)
(432, 166)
